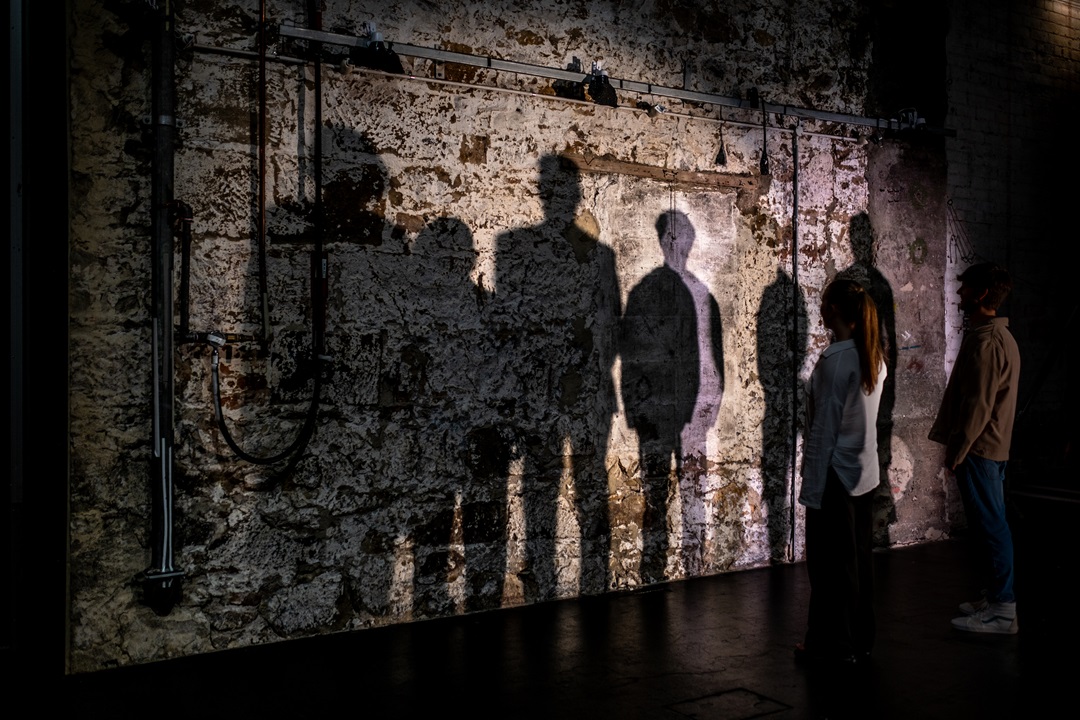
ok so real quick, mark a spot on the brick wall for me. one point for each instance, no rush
(1013, 81)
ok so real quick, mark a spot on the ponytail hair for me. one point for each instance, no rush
(857, 309)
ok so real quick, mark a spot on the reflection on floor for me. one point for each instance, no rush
(718, 647)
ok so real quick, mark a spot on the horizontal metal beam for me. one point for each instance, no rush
(298, 33)
(609, 165)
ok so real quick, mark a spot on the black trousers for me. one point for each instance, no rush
(839, 560)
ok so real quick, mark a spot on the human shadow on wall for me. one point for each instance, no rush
(375, 373)
(710, 338)
(781, 350)
(865, 272)
(670, 331)
(354, 189)
(553, 317)
(414, 359)
(424, 496)
(467, 459)
(354, 197)
(587, 402)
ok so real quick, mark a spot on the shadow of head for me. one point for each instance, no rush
(676, 235)
(559, 186)
(861, 233)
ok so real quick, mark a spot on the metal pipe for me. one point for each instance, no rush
(245, 54)
(320, 37)
(794, 327)
(318, 270)
(161, 582)
(216, 340)
(291, 60)
(182, 218)
(264, 295)
(318, 262)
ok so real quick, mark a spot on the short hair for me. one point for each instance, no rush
(992, 278)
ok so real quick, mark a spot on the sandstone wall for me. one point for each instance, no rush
(523, 400)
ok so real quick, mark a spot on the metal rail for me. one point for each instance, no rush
(298, 33)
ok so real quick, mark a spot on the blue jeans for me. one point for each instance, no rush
(982, 487)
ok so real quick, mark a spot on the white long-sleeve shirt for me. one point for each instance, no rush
(841, 425)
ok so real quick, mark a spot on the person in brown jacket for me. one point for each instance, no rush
(975, 425)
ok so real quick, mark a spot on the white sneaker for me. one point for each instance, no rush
(975, 606)
(996, 617)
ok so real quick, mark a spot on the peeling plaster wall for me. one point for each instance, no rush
(534, 390)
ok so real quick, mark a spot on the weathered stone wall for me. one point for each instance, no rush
(543, 379)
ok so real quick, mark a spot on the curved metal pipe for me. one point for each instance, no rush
(302, 438)
(318, 264)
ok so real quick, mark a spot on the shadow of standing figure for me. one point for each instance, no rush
(865, 272)
(587, 402)
(468, 468)
(694, 504)
(554, 316)
(373, 373)
(781, 349)
(661, 379)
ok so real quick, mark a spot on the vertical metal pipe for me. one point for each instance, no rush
(182, 220)
(794, 326)
(318, 261)
(264, 296)
(161, 583)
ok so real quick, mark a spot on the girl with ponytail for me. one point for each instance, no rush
(840, 469)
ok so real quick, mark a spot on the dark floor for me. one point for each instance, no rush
(718, 647)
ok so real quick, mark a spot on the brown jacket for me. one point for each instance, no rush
(979, 406)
